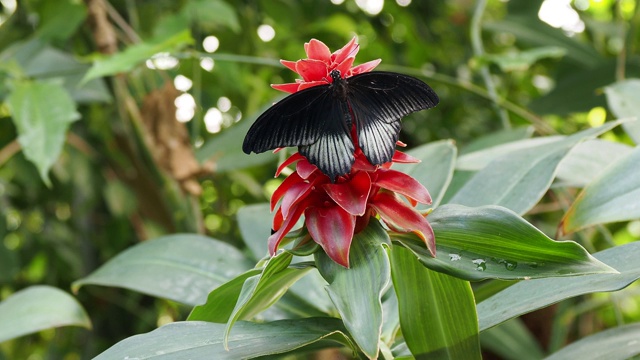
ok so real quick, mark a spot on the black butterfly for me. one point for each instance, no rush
(319, 119)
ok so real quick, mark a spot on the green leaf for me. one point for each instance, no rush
(624, 101)
(254, 222)
(498, 138)
(198, 340)
(227, 152)
(221, 300)
(208, 14)
(437, 311)
(478, 160)
(390, 319)
(527, 296)
(523, 60)
(587, 160)
(59, 19)
(38, 308)
(42, 113)
(356, 292)
(136, 54)
(613, 196)
(435, 169)
(53, 63)
(512, 340)
(261, 291)
(182, 267)
(613, 344)
(35, 59)
(531, 30)
(518, 180)
(491, 242)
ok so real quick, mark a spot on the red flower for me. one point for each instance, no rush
(334, 212)
(316, 68)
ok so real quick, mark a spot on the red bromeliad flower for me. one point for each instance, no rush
(335, 211)
(316, 68)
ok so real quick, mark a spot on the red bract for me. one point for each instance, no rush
(316, 68)
(334, 212)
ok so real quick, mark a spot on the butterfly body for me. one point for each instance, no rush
(318, 120)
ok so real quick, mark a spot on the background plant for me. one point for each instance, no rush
(92, 163)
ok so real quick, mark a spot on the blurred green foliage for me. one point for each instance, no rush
(109, 189)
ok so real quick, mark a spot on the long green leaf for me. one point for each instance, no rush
(183, 268)
(41, 61)
(624, 101)
(497, 138)
(198, 340)
(519, 179)
(494, 242)
(222, 300)
(437, 311)
(613, 196)
(42, 113)
(527, 296)
(263, 290)
(356, 292)
(210, 13)
(478, 160)
(52, 26)
(532, 30)
(136, 54)
(522, 60)
(38, 308)
(614, 344)
(254, 222)
(435, 169)
(512, 340)
(587, 160)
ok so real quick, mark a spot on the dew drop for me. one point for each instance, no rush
(454, 257)
(481, 264)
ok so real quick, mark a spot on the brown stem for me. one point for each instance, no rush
(8, 151)
(103, 32)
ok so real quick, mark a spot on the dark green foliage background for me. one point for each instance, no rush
(107, 193)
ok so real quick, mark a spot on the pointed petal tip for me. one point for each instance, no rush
(288, 88)
(291, 65)
(318, 50)
(332, 228)
(366, 67)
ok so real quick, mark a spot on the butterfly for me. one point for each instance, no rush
(318, 120)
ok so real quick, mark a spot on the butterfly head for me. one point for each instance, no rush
(335, 75)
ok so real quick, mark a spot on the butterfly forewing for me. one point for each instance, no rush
(378, 101)
(296, 120)
(314, 120)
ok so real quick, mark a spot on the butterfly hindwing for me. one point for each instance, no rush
(333, 152)
(378, 101)
(296, 120)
